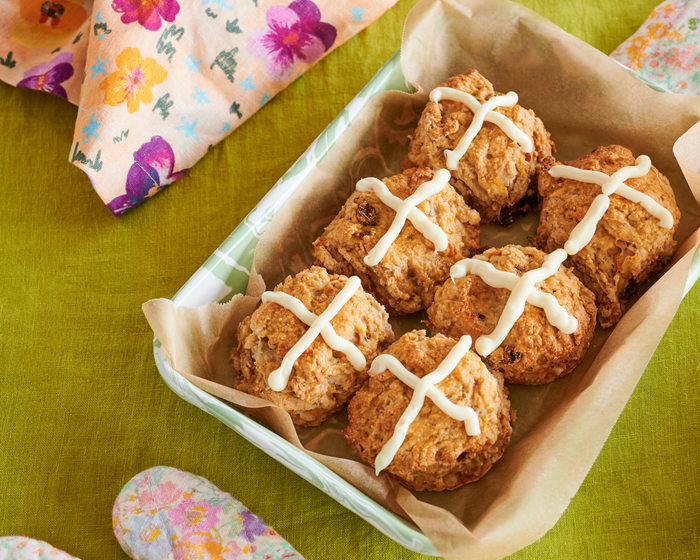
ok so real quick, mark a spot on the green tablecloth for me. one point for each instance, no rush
(83, 409)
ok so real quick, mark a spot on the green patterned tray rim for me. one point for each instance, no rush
(297, 461)
(226, 273)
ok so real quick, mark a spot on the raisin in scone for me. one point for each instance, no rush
(534, 351)
(407, 275)
(436, 453)
(495, 176)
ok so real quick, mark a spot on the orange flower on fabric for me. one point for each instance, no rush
(133, 81)
(635, 52)
(47, 24)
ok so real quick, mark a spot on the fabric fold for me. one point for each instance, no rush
(160, 82)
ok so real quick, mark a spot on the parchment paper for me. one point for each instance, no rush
(585, 100)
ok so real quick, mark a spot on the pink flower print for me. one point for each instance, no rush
(295, 33)
(683, 60)
(668, 10)
(146, 501)
(654, 63)
(146, 481)
(147, 12)
(166, 493)
(159, 496)
(311, 22)
(191, 516)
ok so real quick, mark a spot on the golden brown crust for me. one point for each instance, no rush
(628, 245)
(322, 380)
(406, 278)
(437, 453)
(535, 351)
(495, 176)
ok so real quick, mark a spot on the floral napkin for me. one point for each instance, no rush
(159, 82)
(23, 548)
(166, 513)
(666, 48)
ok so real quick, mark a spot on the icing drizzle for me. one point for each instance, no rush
(423, 387)
(318, 324)
(406, 209)
(582, 234)
(522, 290)
(482, 113)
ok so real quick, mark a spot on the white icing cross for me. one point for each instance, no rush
(582, 234)
(406, 209)
(522, 290)
(482, 113)
(423, 387)
(318, 324)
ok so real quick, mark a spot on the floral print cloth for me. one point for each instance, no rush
(167, 514)
(23, 548)
(159, 82)
(666, 48)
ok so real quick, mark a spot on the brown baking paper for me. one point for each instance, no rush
(585, 100)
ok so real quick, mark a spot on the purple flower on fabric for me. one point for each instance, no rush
(252, 526)
(292, 33)
(48, 76)
(151, 171)
(147, 12)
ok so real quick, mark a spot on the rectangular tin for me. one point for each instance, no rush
(226, 272)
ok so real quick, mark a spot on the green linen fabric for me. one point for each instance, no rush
(83, 409)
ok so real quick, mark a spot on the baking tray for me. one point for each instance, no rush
(226, 273)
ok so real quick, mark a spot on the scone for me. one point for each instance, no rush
(322, 380)
(405, 279)
(628, 245)
(494, 176)
(534, 351)
(437, 453)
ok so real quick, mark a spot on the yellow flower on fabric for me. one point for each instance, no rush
(663, 30)
(635, 51)
(133, 81)
(150, 533)
(637, 45)
(47, 24)
(202, 545)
